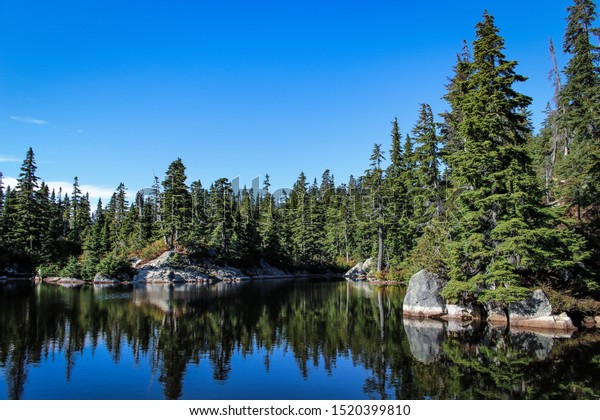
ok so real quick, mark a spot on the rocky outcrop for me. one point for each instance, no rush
(100, 279)
(69, 282)
(266, 271)
(534, 312)
(228, 274)
(170, 267)
(64, 281)
(171, 275)
(423, 299)
(360, 270)
(535, 306)
(550, 322)
(423, 296)
(174, 267)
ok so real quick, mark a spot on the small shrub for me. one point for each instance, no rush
(114, 266)
(48, 270)
(72, 269)
(153, 250)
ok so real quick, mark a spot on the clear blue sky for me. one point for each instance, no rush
(111, 91)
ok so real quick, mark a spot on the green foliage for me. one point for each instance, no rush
(48, 270)
(152, 250)
(432, 249)
(72, 269)
(504, 237)
(114, 266)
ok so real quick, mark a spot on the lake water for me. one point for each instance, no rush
(270, 340)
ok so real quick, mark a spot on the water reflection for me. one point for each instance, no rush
(351, 335)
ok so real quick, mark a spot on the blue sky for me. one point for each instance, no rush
(113, 91)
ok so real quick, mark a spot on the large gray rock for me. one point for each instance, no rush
(168, 259)
(228, 274)
(170, 275)
(170, 267)
(70, 282)
(550, 322)
(535, 306)
(265, 271)
(462, 313)
(100, 279)
(534, 312)
(361, 269)
(495, 313)
(423, 296)
(153, 275)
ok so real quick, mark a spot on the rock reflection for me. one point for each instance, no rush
(175, 328)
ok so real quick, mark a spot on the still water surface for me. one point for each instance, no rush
(270, 340)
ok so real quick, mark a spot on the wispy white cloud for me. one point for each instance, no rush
(8, 159)
(28, 120)
(94, 191)
(8, 181)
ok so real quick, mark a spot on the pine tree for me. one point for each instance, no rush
(176, 203)
(44, 213)
(456, 89)
(1, 192)
(427, 157)
(579, 102)
(298, 219)
(80, 213)
(504, 238)
(395, 180)
(374, 181)
(8, 234)
(221, 215)
(93, 247)
(27, 221)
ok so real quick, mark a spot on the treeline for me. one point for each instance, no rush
(477, 198)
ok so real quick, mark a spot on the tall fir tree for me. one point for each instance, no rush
(374, 179)
(176, 204)
(579, 102)
(504, 239)
(427, 173)
(27, 225)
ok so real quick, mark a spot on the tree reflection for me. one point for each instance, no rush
(317, 322)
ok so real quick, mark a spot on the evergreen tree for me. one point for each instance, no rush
(298, 219)
(176, 203)
(399, 226)
(75, 197)
(1, 192)
(427, 173)
(504, 238)
(27, 223)
(199, 228)
(93, 247)
(221, 215)
(374, 181)
(456, 89)
(579, 102)
(8, 233)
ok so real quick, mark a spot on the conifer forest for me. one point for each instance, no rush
(470, 193)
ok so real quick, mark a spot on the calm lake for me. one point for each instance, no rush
(275, 339)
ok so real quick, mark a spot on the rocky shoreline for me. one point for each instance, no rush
(423, 300)
(175, 267)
